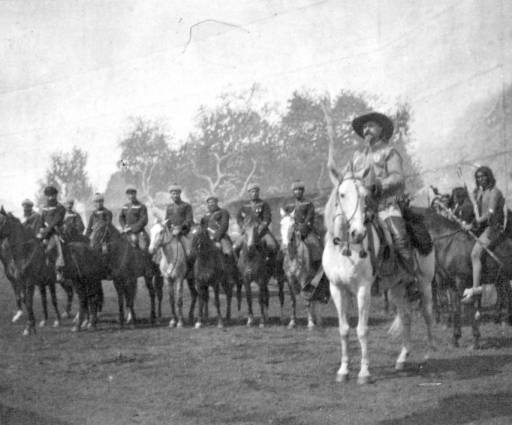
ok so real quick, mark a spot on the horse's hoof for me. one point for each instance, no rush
(220, 325)
(56, 323)
(249, 322)
(198, 325)
(477, 315)
(262, 325)
(475, 346)
(84, 324)
(65, 315)
(89, 325)
(311, 326)
(342, 377)
(75, 328)
(399, 366)
(291, 325)
(180, 324)
(42, 323)
(17, 316)
(172, 323)
(363, 380)
(26, 332)
(75, 320)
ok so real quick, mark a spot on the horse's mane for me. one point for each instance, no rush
(330, 210)
(26, 232)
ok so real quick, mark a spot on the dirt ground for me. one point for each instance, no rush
(157, 375)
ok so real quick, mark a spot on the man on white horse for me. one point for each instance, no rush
(386, 182)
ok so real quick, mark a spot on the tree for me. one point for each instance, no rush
(146, 158)
(67, 173)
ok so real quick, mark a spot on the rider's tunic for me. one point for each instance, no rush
(263, 214)
(100, 219)
(34, 222)
(134, 215)
(304, 217)
(217, 223)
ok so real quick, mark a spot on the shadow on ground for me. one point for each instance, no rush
(460, 409)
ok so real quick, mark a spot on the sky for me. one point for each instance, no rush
(73, 72)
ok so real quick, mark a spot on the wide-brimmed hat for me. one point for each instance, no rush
(253, 186)
(175, 188)
(27, 202)
(50, 190)
(298, 184)
(381, 119)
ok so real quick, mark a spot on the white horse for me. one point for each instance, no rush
(297, 271)
(350, 272)
(174, 268)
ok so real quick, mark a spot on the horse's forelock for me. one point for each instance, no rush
(330, 210)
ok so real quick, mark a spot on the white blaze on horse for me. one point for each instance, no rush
(351, 273)
(297, 267)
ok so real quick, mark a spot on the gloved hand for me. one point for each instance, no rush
(376, 189)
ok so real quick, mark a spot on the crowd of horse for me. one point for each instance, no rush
(351, 273)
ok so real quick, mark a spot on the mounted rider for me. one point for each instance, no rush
(179, 217)
(31, 219)
(489, 209)
(386, 182)
(303, 227)
(53, 218)
(216, 221)
(263, 214)
(73, 224)
(99, 224)
(133, 220)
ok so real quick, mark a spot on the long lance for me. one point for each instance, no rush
(470, 233)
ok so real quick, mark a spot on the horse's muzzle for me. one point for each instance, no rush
(357, 237)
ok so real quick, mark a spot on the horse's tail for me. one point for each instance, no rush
(395, 330)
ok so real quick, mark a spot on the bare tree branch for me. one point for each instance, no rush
(202, 176)
(248, 178)
(326, 109)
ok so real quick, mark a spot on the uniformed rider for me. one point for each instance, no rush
(217, 222)
(263, 214)
(99, 223)
(73, 224)
(133, 220)
(31, 219)
(304, 218)
(179, 217)
(53, 218)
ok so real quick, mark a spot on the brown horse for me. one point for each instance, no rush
(254, 266)
(211, 268)
(10, 273)
(454, 271)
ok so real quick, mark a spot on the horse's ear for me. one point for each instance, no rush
(2, 211)
(366, 172)
(282, 212)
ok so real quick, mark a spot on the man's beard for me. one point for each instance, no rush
(369, 138)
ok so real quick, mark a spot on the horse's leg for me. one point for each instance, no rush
(29, 304)
(130, 291)
(82, 306)
(363, 310)
(16, 287)
(118, 284)
(293, 297)
(386, 302)
(173, 321)
(200, 313)
(151, 290)
(193, 298)
(44, 302)
(159, 284)
(456, 296)
(435, 300)
(248, 294)
(55, 304)
(216, 290)
(68, 288)
(280, 286)
(180, 303)
(262, 302)
(339, 298)
(403, 320)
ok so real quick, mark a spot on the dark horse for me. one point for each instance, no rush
(254, 266)
(211, 268)
(125, 264)
(453, 265)
(31, 264)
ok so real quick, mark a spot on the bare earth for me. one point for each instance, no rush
(242, 376)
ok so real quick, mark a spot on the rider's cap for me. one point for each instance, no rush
(253, 186)
(97, 197)
(27, 202)
(130, 189)
(297, 184)
(175, 188)
(50, 190)
(212, 198)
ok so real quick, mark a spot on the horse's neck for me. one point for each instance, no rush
(173, 249)
(20, 240)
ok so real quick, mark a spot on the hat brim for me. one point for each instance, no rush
(381, 119)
